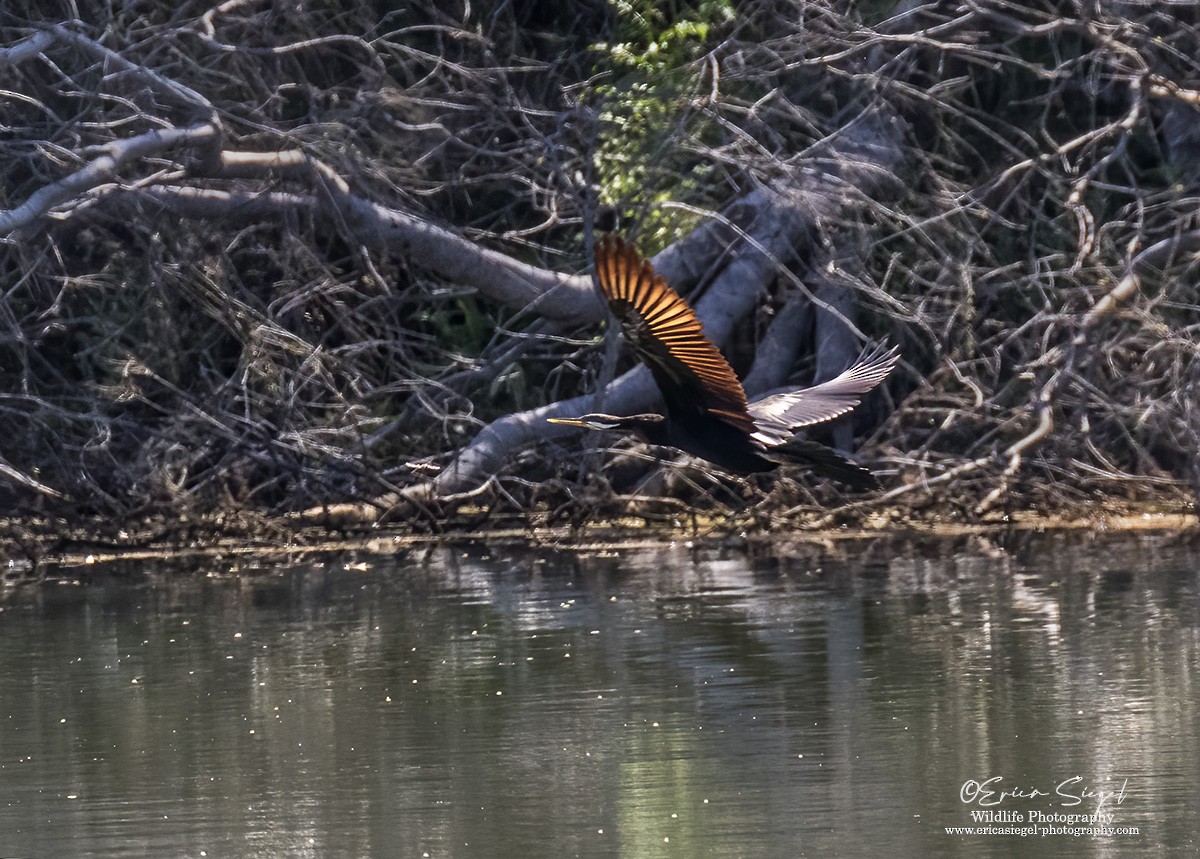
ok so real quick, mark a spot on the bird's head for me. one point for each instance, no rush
(609, 422)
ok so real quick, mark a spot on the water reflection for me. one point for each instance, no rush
(665, 702)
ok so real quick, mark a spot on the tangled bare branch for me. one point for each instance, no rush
(270, 259)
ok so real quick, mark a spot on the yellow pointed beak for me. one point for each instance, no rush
(569, 422)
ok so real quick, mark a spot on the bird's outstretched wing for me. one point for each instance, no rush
(691, 372)
(779, 416)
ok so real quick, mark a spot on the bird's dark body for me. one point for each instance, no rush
(712, 439)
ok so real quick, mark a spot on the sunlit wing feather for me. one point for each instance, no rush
(779, 416)
(691, 372)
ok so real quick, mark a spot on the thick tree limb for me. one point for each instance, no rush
(553, 295)
(569, 299)
(101, 170)
(515, 284)
(559, 297)
(26, 49)
(780, 347)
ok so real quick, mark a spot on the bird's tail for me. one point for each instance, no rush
(824, 461)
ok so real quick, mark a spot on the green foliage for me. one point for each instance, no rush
(462, 327)
(658, 38)
(652, 72)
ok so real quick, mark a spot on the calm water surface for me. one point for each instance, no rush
(666, 702)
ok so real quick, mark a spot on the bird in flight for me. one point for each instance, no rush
(707, 413)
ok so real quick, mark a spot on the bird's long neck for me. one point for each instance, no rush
(652, 428)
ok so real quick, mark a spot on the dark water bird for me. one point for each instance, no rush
(707, 414)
